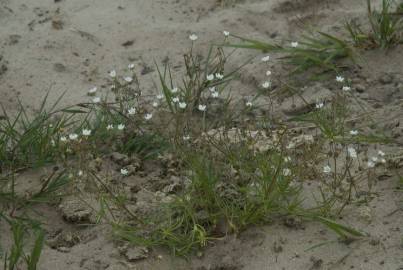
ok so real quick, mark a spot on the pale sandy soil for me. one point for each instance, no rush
(69, 46)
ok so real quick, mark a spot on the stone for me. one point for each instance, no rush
(360, 88)
(120, 159)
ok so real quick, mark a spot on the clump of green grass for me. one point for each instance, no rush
(320, 51)
(386, 27)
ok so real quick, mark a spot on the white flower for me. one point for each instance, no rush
(383, 160)
(210, 77)
(327, 169)
(290, 145)
(186, 137)
(294, 44)
(148, 116)
(339, 79)
(80, 173)
(131, 111)
(351, 152)
(112, 73)
(73, 136)
(212, 89)
(175, 99)
(131, 66)
(353, 132)
(109, 127)
(155, 104)
(63, 139)
(226, 33)
(214, 94)
(128, 79)
(370, 164)
(249, 104)
(374, 159)
(86, 132)
(346, 88)
(92, 91)
(113, 86)
(121, 126)
(193, 37)
(266, 84)
(319, 105)
(202, 107)
(287, 159)
(96, 99)
(124, 171)
(219, 76)
(266, 58)
(381, 153)
(182, 105)
(174, 90)
(286, 172)
(160, 96)
(268, 73)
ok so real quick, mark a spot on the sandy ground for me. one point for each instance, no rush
(70, 45)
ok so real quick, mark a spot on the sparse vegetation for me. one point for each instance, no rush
(219, 164)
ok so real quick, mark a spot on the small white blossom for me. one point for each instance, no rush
(96, 100)
(287, 159)
(112, 73)
(212, 89)
(121, 126)
(92, 91)
(148, 116)
(73, 136)
(219, 76)
(268, 73)
(327, 169)
(214, 94)
(160, 96)
(266, 58)
(286, 172)
(319, 105)
(174, 90)
(226, 33)
(80, 173)
(383, 160)
(374, 159)
(86, 132)
(63, 139)
(175, 99)
(266, 84)
(155, 104)
(249, 104)
(351, 152)
(128, 79)
(370, 164)
(186, 137)
(193, 37)
(339, 79)
(290, 145)
(294, 44)
(124, 172)
(353, 132)
(346, 88)
(131, 66)
(202, 107)
(182, 105)
(131, 111)
(109, 127)
(381, 153)
(210, 77)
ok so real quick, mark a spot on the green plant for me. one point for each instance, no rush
(386, 27)
(319, 50)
